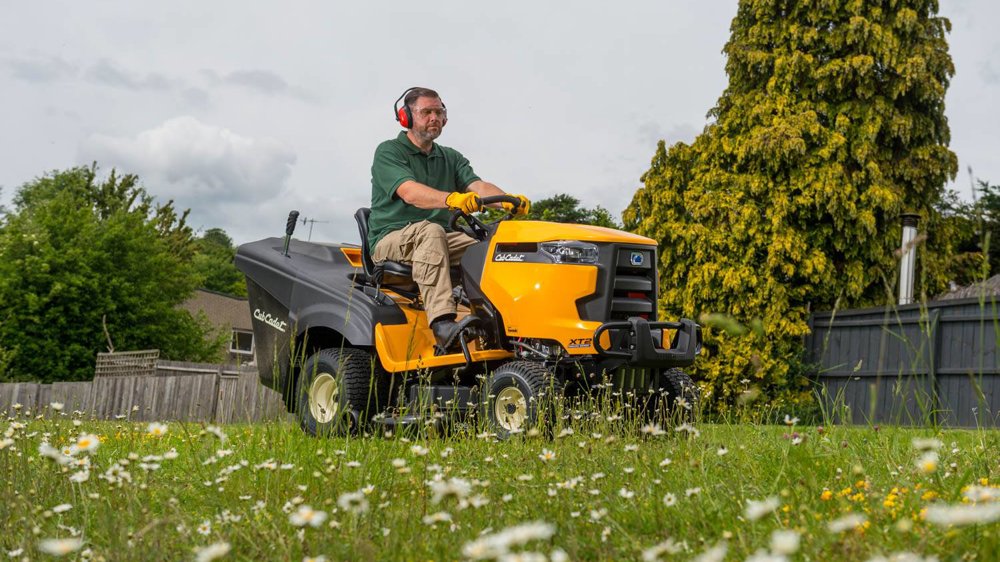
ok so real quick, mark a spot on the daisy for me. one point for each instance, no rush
(963, 514)
(439, 517)
(669, 546)
(216, 431)
(60, 547)
(307, 516)
(354, 502)
(212, 552)
(205, 528)
(847, 522)
(547, 455)
(156, 429)
(715, 554)
(669, 500)
(928, 462)
(757, 509)
(785, 542)
(87, 443)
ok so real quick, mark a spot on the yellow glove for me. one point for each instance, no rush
(466, 202)
(520, 210)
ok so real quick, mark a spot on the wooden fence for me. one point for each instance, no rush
(915, 364)
(176, 391)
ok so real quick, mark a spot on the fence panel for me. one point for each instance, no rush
(175, 391)
(911, 364)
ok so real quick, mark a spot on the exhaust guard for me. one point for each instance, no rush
(633, 340)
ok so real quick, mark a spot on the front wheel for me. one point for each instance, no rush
(339, 390)
(520, 395)
(676, 397)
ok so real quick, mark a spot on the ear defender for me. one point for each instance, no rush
(403, 114)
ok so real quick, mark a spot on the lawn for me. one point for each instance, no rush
(594, 488)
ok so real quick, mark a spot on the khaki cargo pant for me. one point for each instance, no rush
(430, 251)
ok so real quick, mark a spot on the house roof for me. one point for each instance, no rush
(221, 309)
(986, 288)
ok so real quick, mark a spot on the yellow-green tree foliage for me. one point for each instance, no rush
(831, 127)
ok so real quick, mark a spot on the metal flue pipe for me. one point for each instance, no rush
(907, 265)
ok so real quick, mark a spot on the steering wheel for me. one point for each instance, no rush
(476, 228)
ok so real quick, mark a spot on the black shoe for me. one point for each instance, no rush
(446, 332)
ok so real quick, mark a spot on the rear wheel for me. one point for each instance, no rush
(339, 390)
(520, 395)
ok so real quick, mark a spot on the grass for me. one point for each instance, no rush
(607, 489)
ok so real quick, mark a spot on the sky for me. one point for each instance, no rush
(244, 111)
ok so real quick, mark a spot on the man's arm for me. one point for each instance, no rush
(486, 189)
(422, 196)
(426, 197)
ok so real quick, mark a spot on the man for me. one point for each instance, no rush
(416, 183)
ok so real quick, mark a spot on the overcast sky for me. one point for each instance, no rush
(242, 111)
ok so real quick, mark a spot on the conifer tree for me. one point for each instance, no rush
(832, 126)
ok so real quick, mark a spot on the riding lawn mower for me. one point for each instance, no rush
(546, 309)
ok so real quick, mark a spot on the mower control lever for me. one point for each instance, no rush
(293, 218)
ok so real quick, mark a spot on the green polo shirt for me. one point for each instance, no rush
(399, 160)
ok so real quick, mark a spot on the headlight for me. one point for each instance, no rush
(570, 251)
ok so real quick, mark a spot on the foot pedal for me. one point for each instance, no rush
(467, 328)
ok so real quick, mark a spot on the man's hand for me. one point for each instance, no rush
(519, 210)
(466, 202)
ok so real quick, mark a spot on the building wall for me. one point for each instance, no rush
(230, 314)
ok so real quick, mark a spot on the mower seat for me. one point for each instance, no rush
(376, 271)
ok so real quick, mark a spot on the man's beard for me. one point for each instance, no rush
(427, 135)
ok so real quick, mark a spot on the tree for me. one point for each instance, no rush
(832, 126)
(214, 265)
(987, 211)
(83, 256)
(565, 209)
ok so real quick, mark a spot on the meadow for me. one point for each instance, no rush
(597, 487)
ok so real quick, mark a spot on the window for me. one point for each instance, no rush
(242, 343)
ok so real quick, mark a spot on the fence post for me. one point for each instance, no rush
(215, 394)
(932, 365)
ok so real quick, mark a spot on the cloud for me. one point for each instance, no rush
(41, 70)
(196, 164)
(258, 81)
(107, 73)
(263, 81)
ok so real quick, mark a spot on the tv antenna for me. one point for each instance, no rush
(311, 222)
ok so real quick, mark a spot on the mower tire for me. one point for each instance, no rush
(519, 395)
(339, 390)
(677, 396)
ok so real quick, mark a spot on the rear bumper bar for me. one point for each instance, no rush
(633, 339)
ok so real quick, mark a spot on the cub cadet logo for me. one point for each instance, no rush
(504, 256)
(271, 321)
(580, 342)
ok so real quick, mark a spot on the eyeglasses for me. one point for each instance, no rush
(425, 112)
